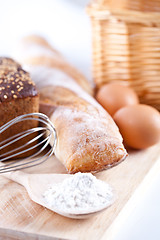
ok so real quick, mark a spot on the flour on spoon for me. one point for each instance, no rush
(80, 193)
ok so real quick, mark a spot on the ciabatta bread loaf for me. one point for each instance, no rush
(88, 138)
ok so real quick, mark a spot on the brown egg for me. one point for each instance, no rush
(139, 125)
(114, 96)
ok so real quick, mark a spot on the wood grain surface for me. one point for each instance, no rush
(19, 213)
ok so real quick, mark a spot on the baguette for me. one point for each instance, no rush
(35, 50)
(88, 138)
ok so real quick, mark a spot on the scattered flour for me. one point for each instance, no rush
(79, 193)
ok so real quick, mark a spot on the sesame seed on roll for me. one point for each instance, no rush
(15, 84)
(6, 62)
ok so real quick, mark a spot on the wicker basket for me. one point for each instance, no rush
(126, 45)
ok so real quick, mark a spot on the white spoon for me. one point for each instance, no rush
(37, 184)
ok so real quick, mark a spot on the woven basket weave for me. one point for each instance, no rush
(126, 45)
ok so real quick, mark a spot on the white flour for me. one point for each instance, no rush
(79, 193)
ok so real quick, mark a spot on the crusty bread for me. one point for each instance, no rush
(18, 96)
(88, 138)
(36, 50)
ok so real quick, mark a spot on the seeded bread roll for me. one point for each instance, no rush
(18, 95)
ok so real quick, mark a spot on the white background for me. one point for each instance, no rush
(67, 27)
(63, 22)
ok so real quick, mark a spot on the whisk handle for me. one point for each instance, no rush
(18, 177)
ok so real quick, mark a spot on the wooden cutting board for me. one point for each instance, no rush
(31, 221)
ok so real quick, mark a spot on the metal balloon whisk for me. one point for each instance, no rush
(27, 148)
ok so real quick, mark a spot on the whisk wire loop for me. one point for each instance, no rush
(19, 136)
